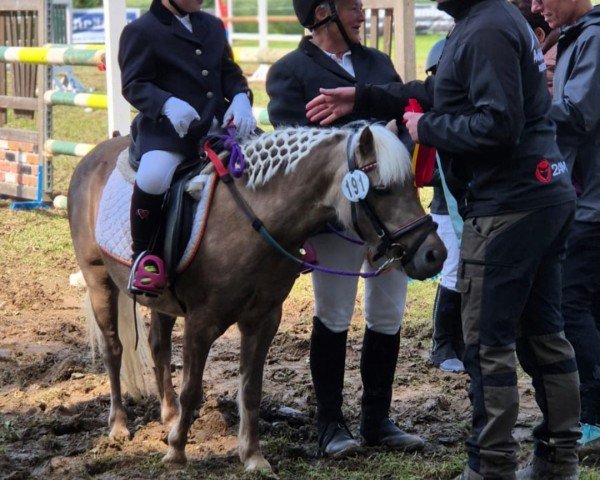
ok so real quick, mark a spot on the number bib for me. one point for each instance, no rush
(355, 185)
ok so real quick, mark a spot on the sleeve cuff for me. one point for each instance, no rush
(361, 100)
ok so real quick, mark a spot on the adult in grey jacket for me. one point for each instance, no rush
(332, 56)
(576, 111)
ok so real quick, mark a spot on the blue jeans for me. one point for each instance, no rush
(581, 312)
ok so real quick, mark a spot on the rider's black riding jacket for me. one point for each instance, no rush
(160, 58)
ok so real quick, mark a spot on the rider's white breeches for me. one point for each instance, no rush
(156, 171)
(448, 236)
(385, 295)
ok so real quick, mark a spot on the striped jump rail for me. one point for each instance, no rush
(49, 55)
(91, 100)
(73, 149)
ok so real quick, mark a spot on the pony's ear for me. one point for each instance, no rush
(365, 143)
(392, 126)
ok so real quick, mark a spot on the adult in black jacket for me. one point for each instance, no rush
(490, 123)
(332, 56)
(297, 77)
(176, 68)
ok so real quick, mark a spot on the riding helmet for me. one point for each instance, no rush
(305, 11)
(433, 57)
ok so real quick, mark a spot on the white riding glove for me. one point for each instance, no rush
(180, 114)
(240, 112)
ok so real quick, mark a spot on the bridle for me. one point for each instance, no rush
(387, 240)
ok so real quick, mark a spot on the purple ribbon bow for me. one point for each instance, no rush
(237, 163)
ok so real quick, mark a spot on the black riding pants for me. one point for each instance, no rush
(580, 308)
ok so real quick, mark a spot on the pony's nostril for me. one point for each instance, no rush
(432, 256)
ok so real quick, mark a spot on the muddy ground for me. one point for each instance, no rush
(54, 396)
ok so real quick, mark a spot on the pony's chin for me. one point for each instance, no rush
(419, 274)
(427, 264)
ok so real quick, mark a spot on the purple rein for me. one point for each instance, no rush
(237, 164)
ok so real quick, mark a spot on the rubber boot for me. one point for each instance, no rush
(377, 368)
(448, 346)
(327, 365)
(542, 469)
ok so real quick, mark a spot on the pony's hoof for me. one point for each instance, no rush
(119, 433)
(258, 463)
(174, 458)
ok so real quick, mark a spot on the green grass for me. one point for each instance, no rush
(35, 238)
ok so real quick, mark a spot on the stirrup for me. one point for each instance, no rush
(148, 276)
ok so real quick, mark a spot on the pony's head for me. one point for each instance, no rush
(359, 168)
(379, 201)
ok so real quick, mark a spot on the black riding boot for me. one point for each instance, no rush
(377, 368)
(448, 345)
(147, 276)
(145, 215)
(327, 365)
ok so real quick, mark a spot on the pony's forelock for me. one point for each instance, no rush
(393, 159)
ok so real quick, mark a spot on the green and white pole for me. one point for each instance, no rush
(73, 149)
(91, 100)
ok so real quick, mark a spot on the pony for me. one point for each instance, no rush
(293, 183)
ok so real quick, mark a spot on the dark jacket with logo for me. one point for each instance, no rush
(576, 109)
(159, 58)
(490, 116)
(295, 79)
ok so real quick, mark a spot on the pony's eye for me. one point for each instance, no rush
(381, 190)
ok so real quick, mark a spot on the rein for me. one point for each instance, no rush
(257, 224)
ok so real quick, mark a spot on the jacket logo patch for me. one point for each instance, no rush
(543, 171)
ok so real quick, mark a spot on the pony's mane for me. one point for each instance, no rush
(282, 150)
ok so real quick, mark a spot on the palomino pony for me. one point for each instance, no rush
(293, 183)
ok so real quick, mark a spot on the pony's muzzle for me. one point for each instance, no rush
(428, 260)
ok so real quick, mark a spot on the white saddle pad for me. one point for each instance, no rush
(113, 230)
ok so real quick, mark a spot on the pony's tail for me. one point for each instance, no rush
(137, 367)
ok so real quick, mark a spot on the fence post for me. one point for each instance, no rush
(263, 25)
(119, 112)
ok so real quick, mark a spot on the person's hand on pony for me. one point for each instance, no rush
(331, 104)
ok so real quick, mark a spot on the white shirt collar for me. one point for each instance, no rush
(187, 23)
(345, 62)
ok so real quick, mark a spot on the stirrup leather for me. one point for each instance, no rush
(148, 275)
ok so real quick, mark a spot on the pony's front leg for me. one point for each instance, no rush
(256, 340)
(104, 300)
(161, 329)
(199, 334)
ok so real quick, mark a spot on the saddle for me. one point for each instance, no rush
(179, 207)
